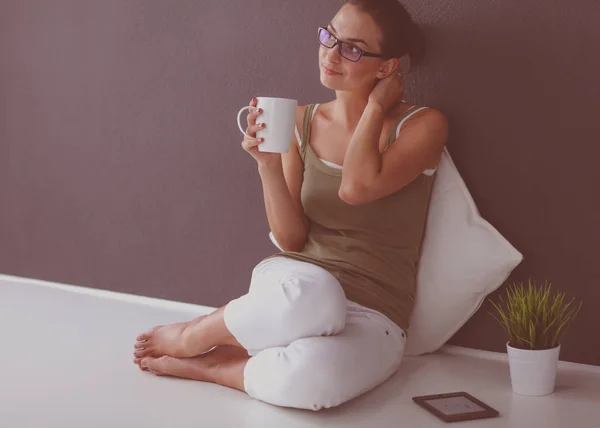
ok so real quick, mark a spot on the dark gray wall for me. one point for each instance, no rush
(121, 166)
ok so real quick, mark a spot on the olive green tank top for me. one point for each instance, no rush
(372, 249)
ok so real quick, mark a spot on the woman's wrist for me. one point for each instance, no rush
(273, 167)
(374, 107)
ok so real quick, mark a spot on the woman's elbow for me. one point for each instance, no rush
(294, 244)
(294, 247)
(352, 195)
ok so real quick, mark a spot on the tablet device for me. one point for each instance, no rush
(455, 406)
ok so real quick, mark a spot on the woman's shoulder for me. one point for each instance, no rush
(301, 109)
(416, 113)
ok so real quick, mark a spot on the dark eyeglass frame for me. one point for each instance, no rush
(340, 45)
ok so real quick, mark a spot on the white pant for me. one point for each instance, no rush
(310, 347)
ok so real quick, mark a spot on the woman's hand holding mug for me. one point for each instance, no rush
(251, 142)
(271, 136)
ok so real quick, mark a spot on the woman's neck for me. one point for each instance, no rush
(348, 108)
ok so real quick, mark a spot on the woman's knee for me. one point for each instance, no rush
(315, 299)
(276, 377)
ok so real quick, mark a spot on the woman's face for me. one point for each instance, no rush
(357, 28)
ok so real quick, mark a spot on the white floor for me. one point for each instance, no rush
(66, 361)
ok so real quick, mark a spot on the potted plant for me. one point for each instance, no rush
(535, 320)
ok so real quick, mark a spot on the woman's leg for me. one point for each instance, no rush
(322, 372)
(168, 340)
(310, 373)
(223, 365)
(287, 300)
(185, 339)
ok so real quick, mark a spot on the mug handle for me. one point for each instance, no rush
(240, 125)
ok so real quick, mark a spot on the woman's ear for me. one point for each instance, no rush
(387, 68)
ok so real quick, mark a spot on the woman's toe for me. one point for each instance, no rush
(148, 334)
(138, 362)
(144, 336)
(153, 365)
(141, 353)
(140, 345)
(145, 362)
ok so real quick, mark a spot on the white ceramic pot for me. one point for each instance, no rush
(533, 372)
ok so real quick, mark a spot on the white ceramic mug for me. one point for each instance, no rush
(279, 115)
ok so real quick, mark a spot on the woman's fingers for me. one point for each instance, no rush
(256, 127)
(255, 143)
(249, 144)
(251, 130)
(254, 113)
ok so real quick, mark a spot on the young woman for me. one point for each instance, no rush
(325, 320)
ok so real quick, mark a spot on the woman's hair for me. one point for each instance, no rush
(400, 34)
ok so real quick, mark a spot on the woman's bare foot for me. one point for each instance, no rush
(223, 365)
(162, 340)
(185, 340)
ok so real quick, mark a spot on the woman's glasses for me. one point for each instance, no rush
(347, 50)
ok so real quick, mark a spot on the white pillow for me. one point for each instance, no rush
(463, 259)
